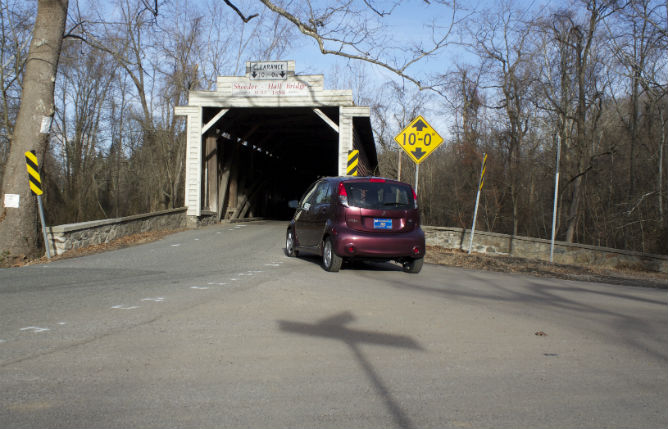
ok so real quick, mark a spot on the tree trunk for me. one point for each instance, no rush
(19, 227)
(574, 210)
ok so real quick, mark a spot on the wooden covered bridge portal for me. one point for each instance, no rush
(259, 140)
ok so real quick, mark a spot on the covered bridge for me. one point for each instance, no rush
(258, 140)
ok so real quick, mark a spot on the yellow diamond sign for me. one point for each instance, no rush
(418, 139)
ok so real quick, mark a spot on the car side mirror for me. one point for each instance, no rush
(293, 204)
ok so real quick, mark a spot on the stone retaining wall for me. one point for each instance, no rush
(536, 248)
(76, 235)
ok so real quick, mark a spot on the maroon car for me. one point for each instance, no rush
(368, 218)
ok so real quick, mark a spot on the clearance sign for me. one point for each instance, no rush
(418, 139)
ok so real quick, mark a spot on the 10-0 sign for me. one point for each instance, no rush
(418, 139)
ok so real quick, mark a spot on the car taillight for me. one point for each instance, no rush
(415, 204)
(343, 195)
(377, 180)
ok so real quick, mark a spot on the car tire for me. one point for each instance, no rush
(413, 265)
(330, 261)
(290, 244)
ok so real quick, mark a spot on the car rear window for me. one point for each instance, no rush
(379, 195)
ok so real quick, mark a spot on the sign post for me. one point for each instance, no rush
(35, 183)
(417, 174)
(481, 182)
(418, 140)
(554, 205)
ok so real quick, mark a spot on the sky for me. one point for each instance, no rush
(409, 23)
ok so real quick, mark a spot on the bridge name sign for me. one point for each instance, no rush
(267, 88)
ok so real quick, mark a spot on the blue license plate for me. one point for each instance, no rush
(382, 224)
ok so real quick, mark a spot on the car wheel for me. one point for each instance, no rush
(330, 260)
(413, 265)
(290, 244)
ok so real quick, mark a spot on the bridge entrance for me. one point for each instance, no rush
(258, 141)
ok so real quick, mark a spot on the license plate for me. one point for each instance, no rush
(382, 224)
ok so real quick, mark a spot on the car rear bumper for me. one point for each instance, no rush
(355, 244)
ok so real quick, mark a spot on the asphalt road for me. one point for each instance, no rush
(217, 328)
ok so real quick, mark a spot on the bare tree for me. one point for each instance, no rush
(83, 94)
(16, 20)
(635, 44)
(572, 88)
(19, 227)
(502, 42)
(639, 48)
(221, 52)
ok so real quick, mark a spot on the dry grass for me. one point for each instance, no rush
(508, 264)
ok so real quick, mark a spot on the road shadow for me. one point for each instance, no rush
(362, 265)
(334, 328)
(570, 300)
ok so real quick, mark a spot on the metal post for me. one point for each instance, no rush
(475, 215)
(41, 218)
(399, 167)
(417, 170)
(477, 200)
(554, 205)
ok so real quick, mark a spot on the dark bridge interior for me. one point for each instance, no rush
(257, 159)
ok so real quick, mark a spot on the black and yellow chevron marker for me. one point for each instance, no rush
(33, 173)
(353, 159)
(482, 170)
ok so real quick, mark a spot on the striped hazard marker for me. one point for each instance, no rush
(33, 173)
(353, 159)
(35, 182)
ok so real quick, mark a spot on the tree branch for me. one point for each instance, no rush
(241, 15)
(311, 28)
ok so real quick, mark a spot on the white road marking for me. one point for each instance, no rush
(62, 323)
(272, 265)
(158, 299)
(124, 307)
(199, 287)
(219, 284)
(35, 329)
(176, 245)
